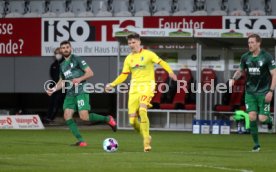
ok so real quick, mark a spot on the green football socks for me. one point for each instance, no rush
(93, 117)
(74, 129)
(254, 131)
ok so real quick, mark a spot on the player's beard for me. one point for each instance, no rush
(66, 54)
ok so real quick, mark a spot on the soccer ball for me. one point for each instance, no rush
(110, 145)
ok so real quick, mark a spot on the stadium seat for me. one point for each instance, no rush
(79, 8)
(140, 8)
(243, 108)
(2, 7)
(191, 106)
(199, 13)
(35, 8)
(272, 7)
(207, 77)
(183, 7)
(15, 8)
(180, 97)
(69, 9)
(200, 8)
(257, 8)
(168, 96)
(236, 8)
(101, 8)
(233, 101)
(88, 10)
(181, 13)
(214, 7)
(161, 77)
(56, 8)
(162, 7)
(121, 8)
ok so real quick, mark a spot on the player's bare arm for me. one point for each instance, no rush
(236, 76)
(88, 73)
(269, 95)
(57, 87)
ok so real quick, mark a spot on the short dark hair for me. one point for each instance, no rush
(256, 36)
(64, 43)
(133, 36)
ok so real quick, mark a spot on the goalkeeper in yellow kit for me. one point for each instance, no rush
(140, 63)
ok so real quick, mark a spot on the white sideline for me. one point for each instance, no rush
(205, 166)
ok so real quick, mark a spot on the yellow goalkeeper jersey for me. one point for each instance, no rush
(141, 66)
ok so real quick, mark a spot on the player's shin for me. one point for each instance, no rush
(74, 129)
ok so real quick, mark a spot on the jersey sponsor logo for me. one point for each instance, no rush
(254, 71)
(138, 66)
(67, 73)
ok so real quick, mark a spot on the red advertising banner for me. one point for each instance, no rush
(20, 37)
(184, 22)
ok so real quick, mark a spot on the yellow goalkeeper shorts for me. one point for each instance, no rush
(135, 99)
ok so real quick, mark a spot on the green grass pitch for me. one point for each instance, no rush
(50, 150)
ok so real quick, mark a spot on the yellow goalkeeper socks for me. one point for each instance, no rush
(145, 128)
(144, 125)
(134, 122)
